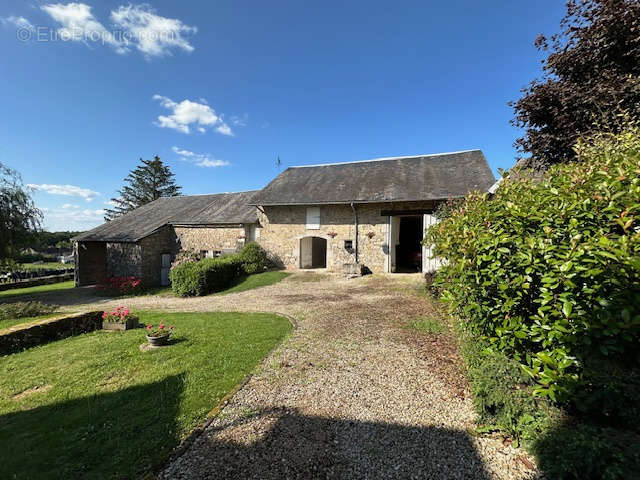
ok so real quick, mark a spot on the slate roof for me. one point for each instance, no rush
(422, 177)
(219, 208)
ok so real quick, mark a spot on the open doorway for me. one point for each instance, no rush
(409, 247)
(313, 252)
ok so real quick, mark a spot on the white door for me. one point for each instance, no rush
(164, 270)
(429, 262)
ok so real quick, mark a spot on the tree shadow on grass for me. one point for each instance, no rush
(302, 446)
(109, 435)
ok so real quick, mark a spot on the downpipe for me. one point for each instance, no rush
(355, 221)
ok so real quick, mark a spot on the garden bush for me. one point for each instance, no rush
(502, 395)
(10, 311)
(548, 272)
(588, 452)
(205, 276)
(187, 279)
(254, 258)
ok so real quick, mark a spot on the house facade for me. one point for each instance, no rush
(368, 215)
(345, 217)
(144, 242)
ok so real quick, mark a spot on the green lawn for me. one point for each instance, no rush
(10, 322)
(95, 406)
(39, 289)
(45, 266)
(255, 281)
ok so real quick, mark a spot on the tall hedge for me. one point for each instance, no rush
(205, 276)
(548, 271)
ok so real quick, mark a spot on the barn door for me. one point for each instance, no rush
(164, 270)
(429, 262)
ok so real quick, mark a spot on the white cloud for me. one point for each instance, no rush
(240, 121)
(134, 26)
(199, 159)
(72, 218)
(67, 190)
(19, 22)
(188, 113)
(224, 129)
(78, 24)
(152, 34)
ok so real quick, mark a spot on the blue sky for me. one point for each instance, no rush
(220, 89)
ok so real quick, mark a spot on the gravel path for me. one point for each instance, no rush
(353, 393)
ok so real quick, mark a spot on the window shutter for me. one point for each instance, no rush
(313, 218)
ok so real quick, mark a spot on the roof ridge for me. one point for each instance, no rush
(383, 159)
(217, 193)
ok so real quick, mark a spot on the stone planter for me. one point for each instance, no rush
(118, 326)
(158, 341)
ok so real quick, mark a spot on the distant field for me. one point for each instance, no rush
(45, 266)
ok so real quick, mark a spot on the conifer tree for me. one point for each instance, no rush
(146, 183)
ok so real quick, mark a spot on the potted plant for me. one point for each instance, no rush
(120, 319)
(158, 336)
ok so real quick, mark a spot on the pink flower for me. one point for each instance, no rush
(161, 326)
(171, 327)
(149, 326)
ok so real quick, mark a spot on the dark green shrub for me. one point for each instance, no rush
(10, 311)
(205, 276)
(548, 272)
(220, 273)
(609, 394)
(188, 280)
(502, 395)
(254, 258)
(588, 452)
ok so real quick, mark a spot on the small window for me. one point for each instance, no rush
(313, 218)
(348, 245)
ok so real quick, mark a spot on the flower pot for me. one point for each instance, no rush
(117, 326)
(158, 341)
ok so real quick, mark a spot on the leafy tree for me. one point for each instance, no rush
(591, 75)
(146, 183)
(19, 217)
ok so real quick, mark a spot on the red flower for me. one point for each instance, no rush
(171, 327)
(149, 326)
(161, 326)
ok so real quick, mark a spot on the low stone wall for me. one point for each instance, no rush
(19, 337)
(36, 281)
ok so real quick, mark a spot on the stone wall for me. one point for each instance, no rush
(284, 226)
(142, 259)
(19, 337)
(212, 238)
(90, 263)
(153, 247)
(124, 259)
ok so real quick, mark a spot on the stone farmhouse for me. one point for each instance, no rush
(343, 217)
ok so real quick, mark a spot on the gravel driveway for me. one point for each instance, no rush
(353, 393)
